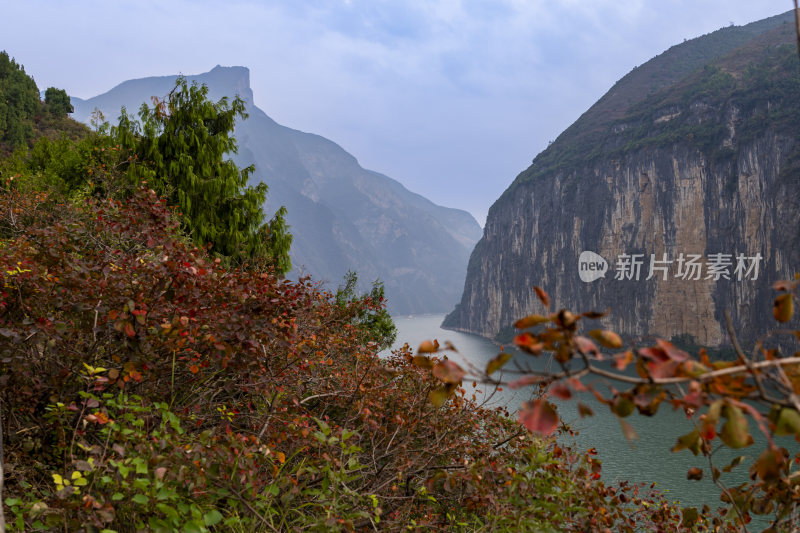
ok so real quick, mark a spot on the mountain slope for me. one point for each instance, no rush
(342, 216)
(695, 152)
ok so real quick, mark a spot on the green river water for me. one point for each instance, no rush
(645, 460)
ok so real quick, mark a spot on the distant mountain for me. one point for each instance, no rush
(695, 152)
(341, 215)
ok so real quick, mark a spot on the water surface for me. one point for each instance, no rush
(646, 460)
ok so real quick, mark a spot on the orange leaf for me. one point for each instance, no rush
(428, 347)
(621, 360)
(784, 308)
(545, 299)
(449, 372)
(194, 369)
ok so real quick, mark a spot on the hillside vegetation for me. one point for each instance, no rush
(151, 382)
(715, 67)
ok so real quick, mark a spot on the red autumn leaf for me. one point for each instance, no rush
(561, 391)
(653, 353)
(194, 369)
(674, 353)
(586, 346)
(595, 314)
(695, 474)
(539, 417)
(528, 343)
(524, 381)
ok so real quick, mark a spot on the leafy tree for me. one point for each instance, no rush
(57, 101)
(180, 150)
(367, 311)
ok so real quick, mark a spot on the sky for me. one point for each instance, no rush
(453, 98)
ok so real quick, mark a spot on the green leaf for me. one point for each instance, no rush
(497, 363)
(169, 512)
(622, 405)
(690, 441)
(734, 463)
(212, 517)
(140, 499)
(735, 433)
(788, 422)
(193, 526)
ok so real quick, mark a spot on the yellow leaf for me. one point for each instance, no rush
(530, 321)
(281, 457)
(607, 338)
(497, 363)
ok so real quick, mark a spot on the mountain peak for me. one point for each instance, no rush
(227, 81)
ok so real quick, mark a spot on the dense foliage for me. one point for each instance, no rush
(149, 382)
(147, 386)
(180, 148)
(19, 102)
(23, 116)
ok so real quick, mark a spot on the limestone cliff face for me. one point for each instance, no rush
(685, 171)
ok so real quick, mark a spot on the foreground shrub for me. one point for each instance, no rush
(147, 387)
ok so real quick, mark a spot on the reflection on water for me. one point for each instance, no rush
(645, 460)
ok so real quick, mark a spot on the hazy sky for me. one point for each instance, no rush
(453, 98)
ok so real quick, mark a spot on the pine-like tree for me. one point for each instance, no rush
(181, 148)
(19, 102)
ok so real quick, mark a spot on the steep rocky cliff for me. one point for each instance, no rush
(695, 152)
(342, 216)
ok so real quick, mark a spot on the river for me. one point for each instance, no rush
(645, 460)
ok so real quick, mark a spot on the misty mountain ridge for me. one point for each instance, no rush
(343, 217)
